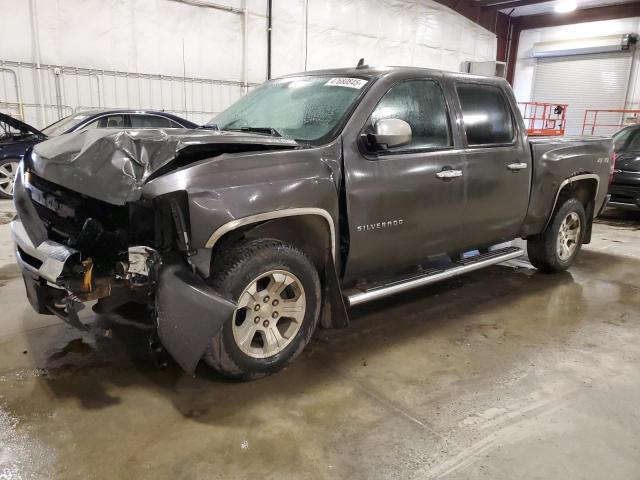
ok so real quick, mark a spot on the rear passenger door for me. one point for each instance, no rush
(498, 162)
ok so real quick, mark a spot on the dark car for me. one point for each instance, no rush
(17, 137)
(625, 186)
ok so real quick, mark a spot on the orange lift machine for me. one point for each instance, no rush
(544, 119)
(609, 119)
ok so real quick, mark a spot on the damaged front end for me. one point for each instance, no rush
(74, 248)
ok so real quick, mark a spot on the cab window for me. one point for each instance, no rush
(486, 114)
(421, 104)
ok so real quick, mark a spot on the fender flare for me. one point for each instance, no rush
(568, 181)
(334, 301)
(261, 217)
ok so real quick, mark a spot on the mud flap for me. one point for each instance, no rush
(334, 311)
(189, 314)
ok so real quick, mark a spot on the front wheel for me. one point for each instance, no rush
(555, 249)
(277, 292)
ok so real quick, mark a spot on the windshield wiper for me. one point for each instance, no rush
(266, 130)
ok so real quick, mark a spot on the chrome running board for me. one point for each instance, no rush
(357, 296)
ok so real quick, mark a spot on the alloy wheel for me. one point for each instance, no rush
(568, 236)
(269, 314)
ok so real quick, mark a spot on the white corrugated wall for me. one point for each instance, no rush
(176, 56)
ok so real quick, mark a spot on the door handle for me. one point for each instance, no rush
(514, 167)
(445, 174)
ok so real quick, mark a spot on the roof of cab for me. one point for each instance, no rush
(376, 72)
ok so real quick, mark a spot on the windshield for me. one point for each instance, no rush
(627, 140)
(302, 108)
(61, 126)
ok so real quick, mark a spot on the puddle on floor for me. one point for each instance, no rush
(21, 456)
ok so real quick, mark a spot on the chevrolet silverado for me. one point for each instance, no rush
(312, 194)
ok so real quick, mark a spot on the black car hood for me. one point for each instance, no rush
(113, 166)
(21, 126)
(628, 161)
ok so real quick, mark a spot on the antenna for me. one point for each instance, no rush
(361, 64)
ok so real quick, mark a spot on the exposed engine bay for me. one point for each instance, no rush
(116, 245)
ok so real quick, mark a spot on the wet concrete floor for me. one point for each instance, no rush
(502, 374)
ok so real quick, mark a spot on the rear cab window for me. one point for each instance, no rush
(486, 114)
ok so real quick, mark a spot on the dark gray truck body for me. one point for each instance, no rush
(362, 217)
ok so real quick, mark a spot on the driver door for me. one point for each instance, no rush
(402, 208)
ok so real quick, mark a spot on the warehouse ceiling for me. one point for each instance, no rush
(519, 8)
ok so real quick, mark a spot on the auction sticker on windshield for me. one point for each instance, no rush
(347, 82)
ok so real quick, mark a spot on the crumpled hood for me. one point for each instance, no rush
(112, 166)
(629, 162)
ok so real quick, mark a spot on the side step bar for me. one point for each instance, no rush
(357, 297)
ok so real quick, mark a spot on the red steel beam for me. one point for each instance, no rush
(609, 12)
(503, 4)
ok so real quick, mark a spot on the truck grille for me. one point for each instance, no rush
(81, 222)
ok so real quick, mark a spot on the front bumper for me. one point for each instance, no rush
(625, 194)
(47, 261)
(188, 312)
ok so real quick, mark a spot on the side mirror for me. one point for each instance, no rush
(388, 133)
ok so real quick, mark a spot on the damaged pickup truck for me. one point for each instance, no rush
(313, 193)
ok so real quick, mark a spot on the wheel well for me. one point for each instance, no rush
(313, 235)
(584, 191)
(310, 233)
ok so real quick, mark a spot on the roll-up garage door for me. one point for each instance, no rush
(584, 81)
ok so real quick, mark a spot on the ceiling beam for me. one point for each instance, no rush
(466, 8)
(608, 12)
(503, 4)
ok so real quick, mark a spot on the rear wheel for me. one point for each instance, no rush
(555, 249)
(8, 169)
(277, 291)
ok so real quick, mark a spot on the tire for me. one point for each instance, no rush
(252, 274)
(545, 250)
(8, 168)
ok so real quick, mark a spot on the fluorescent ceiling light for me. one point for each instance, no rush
(564, 6)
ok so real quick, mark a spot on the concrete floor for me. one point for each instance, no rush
(502, 374)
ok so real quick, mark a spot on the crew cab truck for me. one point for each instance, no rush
(312, 194)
